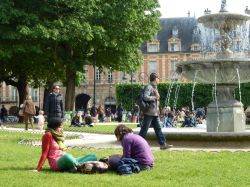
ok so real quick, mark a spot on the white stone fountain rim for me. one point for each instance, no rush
(211, 61)
(223, 16)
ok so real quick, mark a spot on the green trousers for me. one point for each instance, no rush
(69, 163)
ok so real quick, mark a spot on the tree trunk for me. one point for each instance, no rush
(23, 91)
(70, 89)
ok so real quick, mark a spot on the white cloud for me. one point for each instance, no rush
(180, 8)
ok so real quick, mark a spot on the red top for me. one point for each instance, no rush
(50, 151)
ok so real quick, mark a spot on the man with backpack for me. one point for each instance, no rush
(151, 114)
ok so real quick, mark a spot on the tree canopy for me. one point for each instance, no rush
(50, 40)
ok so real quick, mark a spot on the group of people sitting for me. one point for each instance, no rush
(80, 120)
(137, 155)
(185, 117)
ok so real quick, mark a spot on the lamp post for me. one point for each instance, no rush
(110, 87)
(94, 65)
(132, 90)
(39, 98)
(16, 100)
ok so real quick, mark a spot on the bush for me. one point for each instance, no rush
(127, 94)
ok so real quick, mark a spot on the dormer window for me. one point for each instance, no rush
(173, 47)
(196, 30)
(175, 32)
(195, 47)
(153, 46)
(174, 44)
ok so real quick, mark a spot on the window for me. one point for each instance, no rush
(153, 47)
(196, 31)
(237, 47)
(123, 76)
(175, 31)
(110, 76)
(174, 44)
(172, 72)
(34, 95)
(97, 74)
(152, 66)
(195, 47)
(13, 94)
(173, 47)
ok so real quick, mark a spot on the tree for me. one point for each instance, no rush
(23, 60)
(73, 30)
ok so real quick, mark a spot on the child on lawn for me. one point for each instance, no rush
(41, 120)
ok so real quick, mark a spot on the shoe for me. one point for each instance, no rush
(166, 146)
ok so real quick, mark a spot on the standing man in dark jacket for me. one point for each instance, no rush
(4, 114)
(54, 104)
(151, 116)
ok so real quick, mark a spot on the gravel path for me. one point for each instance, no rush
(101, 141)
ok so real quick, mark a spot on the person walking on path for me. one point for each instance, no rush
(29, 112)
(54, 104)
(53, 149)
(151, 115)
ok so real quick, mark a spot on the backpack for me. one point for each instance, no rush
(144, 105)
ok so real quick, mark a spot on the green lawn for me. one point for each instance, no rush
(172, 168)
(103, 129)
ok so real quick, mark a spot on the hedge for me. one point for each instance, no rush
(127, 94)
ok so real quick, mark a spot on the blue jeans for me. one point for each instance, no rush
(155, 122)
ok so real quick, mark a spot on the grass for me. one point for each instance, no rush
(102, 129)
(172, 168)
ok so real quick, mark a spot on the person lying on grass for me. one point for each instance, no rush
(53, 149)
(134, 147)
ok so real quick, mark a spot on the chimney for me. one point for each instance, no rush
(207, 11)
(247, 11)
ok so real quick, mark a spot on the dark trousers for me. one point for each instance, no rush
(155, 122)
(119, 118)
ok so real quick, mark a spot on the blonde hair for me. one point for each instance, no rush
(29, 97)
(41, 112)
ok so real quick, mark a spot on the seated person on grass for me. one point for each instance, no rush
(88, 119)
(134, 147)
(53, 149)
(76, 120)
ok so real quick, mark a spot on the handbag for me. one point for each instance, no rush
(20, 113)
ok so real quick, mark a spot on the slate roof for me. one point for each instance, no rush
(185, 26)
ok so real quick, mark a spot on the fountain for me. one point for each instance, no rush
(224, 64)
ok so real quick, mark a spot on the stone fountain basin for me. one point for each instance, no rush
(199, 138)
(225, 70)
(224, 20)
